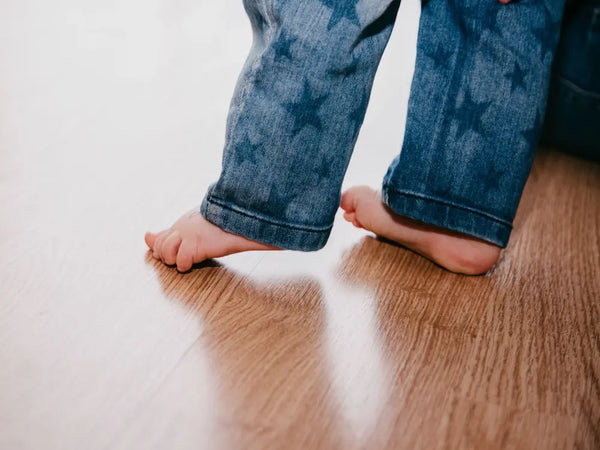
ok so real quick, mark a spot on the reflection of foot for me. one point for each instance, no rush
(453, 251)
(193, 239)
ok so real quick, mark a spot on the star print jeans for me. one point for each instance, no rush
(474, 117)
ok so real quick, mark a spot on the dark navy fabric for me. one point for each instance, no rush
(572, 120)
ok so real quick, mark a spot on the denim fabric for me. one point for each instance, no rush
(572, 120)
(295, 117)
(475, 114)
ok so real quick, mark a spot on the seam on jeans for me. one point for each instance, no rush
(447, 203)
(305, 228)
(577, 89)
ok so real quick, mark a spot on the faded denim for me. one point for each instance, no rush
(475, 115)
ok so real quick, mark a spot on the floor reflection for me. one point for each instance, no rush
(426, 325)
(266, 351)
(368, 344)
(351, 342)
(359, 371)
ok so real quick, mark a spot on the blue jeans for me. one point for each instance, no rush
(474, 120)
(572, 120)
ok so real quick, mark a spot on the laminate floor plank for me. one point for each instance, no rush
(111, 123)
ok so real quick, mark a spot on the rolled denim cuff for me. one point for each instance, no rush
(240, 221)
(447, 215)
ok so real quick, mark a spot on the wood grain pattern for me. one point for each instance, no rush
(105, 131)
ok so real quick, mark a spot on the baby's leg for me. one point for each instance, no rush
(292, 125)
(475, 113)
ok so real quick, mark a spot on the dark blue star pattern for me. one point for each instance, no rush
(491, 176)
(283, 46)
(341, 9)
(531, 135)
(516, 77)
(246, 150)
(547, 34)
(278, 201)
(491, 20)
(357, 114)
(469, 115)
(305, 111)
(324, 168)
(441, 56)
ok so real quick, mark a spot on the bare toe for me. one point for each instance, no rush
(357, 195)
(156, 249)
(170, 248)
(351, 217)
(348, 201)
(193, 239)
(150, 238)
(185, 255)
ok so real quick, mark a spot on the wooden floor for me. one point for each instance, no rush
(111, 122)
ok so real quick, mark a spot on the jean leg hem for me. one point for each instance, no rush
(447, 215)
(277, 234)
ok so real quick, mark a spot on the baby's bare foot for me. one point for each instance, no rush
(454, 251)
(193, 239)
